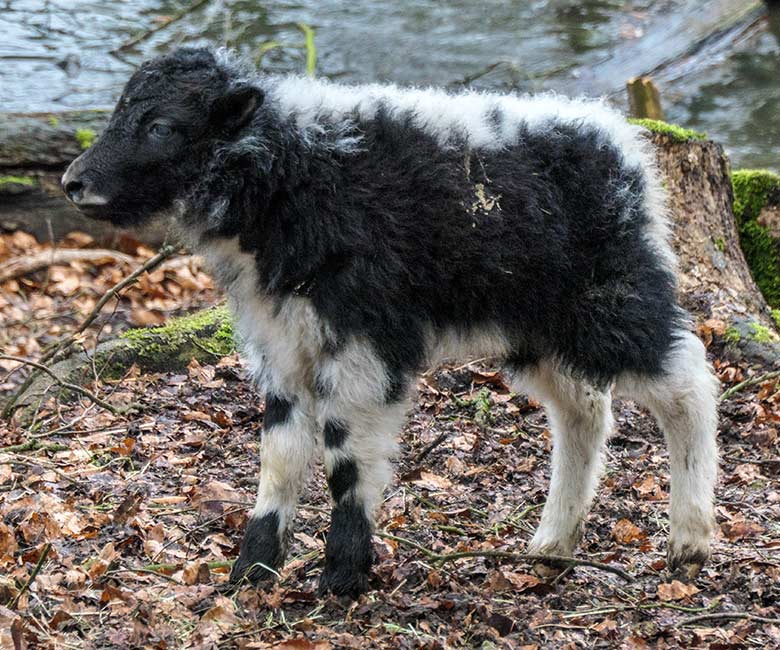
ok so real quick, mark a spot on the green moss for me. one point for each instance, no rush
(720, 244)
(17, 180)
(776, 317)
(677, 133)
(53, 121)
(732, 335)
(205, 335)
(752, 189)
(761, 334)
(85, 138)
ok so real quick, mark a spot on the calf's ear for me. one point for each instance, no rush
(236, 107)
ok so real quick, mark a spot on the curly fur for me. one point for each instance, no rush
(364, 232)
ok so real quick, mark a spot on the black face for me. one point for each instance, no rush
(160, 136)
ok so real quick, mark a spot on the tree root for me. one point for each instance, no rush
(506, 555)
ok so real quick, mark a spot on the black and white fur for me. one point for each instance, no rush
(365, 233)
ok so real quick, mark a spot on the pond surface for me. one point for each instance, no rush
(56, 54)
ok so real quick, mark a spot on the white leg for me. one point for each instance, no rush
(289, 440)
(360, 427)
(685, 404)
(580, 420)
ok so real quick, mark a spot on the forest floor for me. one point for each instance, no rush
(118, 530)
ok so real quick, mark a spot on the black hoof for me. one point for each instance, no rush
(261, 552)
(343, 583)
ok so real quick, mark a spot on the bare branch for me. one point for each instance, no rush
(24, 264)
(64, 384)
(63, 347)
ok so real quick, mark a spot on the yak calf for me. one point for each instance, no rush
(364, 233)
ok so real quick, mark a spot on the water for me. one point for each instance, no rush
(56, 55)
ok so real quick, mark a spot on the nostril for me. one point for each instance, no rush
(74, 190)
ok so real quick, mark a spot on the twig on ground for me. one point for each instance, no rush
(506, 555)
(22, 265)
(614, 609)
(752, 381)
(33, 575)
(729, 615)
(160, 569)
(64, 384)
(216, 564)
(140, 38)
(57, 351)
(32, 445)
(152, 263)
(192, 531)
(753, 461)
(424, 453)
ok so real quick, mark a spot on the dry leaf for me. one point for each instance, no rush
(739, 528)
(675, 590)
(432, 481)
(626, 532)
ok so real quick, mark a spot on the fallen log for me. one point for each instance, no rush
(206, 336)
(35, 150)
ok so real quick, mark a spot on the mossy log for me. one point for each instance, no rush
(35, 150)
(206, 336)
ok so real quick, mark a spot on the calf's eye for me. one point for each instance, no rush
(160, 130)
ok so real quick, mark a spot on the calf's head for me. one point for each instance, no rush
(172, 113)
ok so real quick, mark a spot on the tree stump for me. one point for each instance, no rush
(644, 99)
(716, 284)
(757, 211)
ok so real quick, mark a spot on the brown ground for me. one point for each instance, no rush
(131, 521)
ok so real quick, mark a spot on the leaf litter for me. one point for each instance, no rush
(118, 530)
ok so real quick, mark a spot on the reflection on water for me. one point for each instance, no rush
(576, 23)
(739, 102)
(55, 54)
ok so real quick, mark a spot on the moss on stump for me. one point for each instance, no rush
(676, 133)
(757, 211)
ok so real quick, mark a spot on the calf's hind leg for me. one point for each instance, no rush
(580, 420)
(683, 401)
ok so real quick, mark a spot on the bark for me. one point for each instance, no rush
(35, 150)
(715, 281)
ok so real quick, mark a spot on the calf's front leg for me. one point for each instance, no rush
(289, 440)
(358, 451)
(360, 419)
